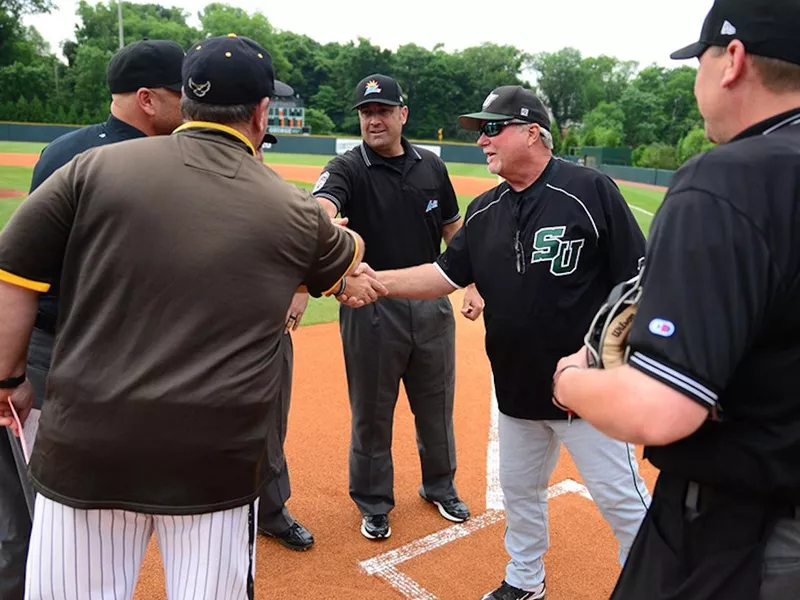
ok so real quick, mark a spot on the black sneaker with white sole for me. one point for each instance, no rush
(376, 527)
(452, 509)
(509, 592)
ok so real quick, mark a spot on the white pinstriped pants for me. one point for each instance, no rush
(96, 554)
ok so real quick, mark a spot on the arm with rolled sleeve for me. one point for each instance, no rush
(707, 283)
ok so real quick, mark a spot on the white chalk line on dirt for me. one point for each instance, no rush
(385, 565)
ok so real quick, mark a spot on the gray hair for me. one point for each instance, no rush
(216, 113)
(547, 137)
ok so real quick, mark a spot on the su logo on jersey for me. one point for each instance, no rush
(563, 255)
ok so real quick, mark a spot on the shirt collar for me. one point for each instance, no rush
(219, 129)
(767, 126)
(370, 157)
(122, 129)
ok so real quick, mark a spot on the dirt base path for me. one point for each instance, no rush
(4, 194)
(467, 186)
(582, 563)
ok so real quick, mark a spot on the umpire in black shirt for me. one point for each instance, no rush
(713, 372)
(399, 198)
(145, 83)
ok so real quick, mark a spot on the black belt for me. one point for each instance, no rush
(702, 497)
(46, 322)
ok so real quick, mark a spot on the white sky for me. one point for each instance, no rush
(639, 30)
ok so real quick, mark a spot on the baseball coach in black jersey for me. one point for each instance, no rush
(544, 249)
(713, 356)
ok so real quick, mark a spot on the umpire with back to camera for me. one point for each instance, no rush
(158, 416)
(711, 377)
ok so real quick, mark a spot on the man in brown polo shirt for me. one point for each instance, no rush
(177, 258)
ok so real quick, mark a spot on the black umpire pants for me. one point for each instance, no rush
(386, 342)
(698, 543)
(272, 514)
(15, 522)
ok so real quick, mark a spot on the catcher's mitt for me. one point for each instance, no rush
(607, 338)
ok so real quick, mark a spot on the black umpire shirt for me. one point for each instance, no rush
(56, 155)
(719, 318)
(398, 205)
(544, 260)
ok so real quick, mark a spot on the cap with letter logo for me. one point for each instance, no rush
(766, 28)
(505, 103)
(230, 70)
(380, 89)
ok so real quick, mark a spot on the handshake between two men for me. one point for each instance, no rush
(363, 285)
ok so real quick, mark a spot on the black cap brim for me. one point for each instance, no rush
(282, 89)
(473, 121)
(377, 101)
(269, 139)
(691, 51)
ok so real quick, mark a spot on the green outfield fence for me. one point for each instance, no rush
(329, 146)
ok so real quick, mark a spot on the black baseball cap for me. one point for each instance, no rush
(380, 89)
(228, 70)
(505, 103)
(269, 139)
(765, 27)
(148, 64)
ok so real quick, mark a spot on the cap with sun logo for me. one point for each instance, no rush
(380, 89)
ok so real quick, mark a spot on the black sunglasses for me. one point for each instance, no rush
(493, 128)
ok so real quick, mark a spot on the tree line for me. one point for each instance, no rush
(595, 101)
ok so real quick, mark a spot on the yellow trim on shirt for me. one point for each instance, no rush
(219, 127)
(350, 266)
(29, 284)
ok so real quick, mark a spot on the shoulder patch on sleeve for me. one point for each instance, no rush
(321, 182)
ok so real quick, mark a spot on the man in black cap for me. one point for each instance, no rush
(163, 399)
(544, 248)
(274, 519)
(400, 198)
(145, 83)
(712, 371)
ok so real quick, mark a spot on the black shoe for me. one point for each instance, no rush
(509, 592)
(296, 537)
(376, 527)
(453, 509)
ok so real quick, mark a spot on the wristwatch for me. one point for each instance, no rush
(12, 382)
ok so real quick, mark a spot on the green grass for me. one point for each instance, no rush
(7, 207)
(22, 147)
(15, 178)
(326, 310)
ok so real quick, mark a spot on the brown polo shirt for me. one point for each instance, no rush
(178, 258)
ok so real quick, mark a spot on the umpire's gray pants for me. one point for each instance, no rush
(15, 522)
(384, 343)
(272, 514)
